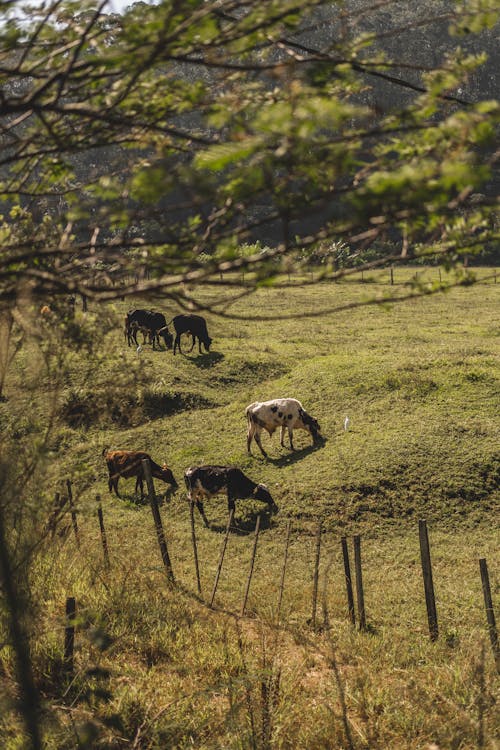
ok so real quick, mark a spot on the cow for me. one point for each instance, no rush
(128, 464)
(286, 413)
(196, 326)
(206, 481)
(153, 323)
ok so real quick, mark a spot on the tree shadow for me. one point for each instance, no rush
(296, 455)
(204, 361)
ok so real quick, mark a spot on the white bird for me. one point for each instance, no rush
(347, 422)
(139, 349)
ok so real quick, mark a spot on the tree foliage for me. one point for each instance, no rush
(134, 145)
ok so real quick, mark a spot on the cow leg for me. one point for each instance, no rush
(257, 440)
(114, 483)
(282, 436)
(199, 346)
(192, 342)
(250, 434)
(177, 343)
(139, 484)
(199, 505)
(290, 435)
(230, 504)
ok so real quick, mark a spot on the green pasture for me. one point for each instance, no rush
(418, 380)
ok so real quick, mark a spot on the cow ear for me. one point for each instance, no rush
(164, 466)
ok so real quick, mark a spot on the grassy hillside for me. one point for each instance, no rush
(419, 382)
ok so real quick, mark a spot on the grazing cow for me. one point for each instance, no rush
(205, 481)
(152, 322)
(196, 326)
(286, 413)
(128, 464)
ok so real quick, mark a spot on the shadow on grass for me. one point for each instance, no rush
(204, 361)
(245, 526)
(296, 455)
(135, 502)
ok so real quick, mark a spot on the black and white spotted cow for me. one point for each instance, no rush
(206, 481)
(286, 413)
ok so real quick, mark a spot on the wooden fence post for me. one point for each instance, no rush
(490, 613)
(348, 580)
(221, 558)
(73, 512)
(252, 562)
(359, 583)
(146, 466)
(316, 576)
(103, 533)
(430, 600)
(195, 549)
(392, 275)
(69, 636)
(282, 582)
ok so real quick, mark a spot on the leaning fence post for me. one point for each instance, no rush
(69, 635)
(221, 558)
(146, 466)
(348, 580)
(283, 571)
(73, 512)
(490, 613)
(252, 562)
(359, 583)
(430, 600)
(316, 576)
(103, 532)
(195, 549)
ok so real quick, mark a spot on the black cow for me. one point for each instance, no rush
(196, 326)
(147, 321)
(206, 481)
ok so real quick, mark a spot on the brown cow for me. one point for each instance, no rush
(128, 464)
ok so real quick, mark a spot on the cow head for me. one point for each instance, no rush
(166, 336)
(207, 343)
(262, 493)
(312, 426)
(168, 477)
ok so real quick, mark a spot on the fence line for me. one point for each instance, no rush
(221, 558)
(430, 599)
(490, 613)
(104, 540)
(252, 562)
(146, 467)
(348, 580)
(362, 625)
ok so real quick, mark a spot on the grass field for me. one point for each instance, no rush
(419, 382)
